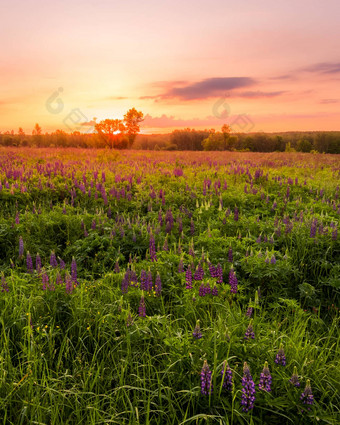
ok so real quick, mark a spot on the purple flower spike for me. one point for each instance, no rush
(230, 255)
(180, 266)
(53, 260)
(68, 284)
(38, 263)
(74, 271)
(197, 334)
(265, 379)
(249, 312)
(4, 285)
(29, 263)
(233, 281)
(249, 332)
(307, 395)
(227, 376)
(219, 273)
(188, 279)
(21, 247)
(280, 356)
(248, 390)
(206, 384)
(152, 248)
(294, 380)
(142, 309)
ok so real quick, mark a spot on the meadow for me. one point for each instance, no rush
(169, 287)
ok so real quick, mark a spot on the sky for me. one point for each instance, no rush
(256, 65)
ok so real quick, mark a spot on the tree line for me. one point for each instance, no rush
(112, 134)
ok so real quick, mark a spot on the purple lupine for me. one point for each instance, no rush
(294, 380)
(152, 248)
(199, 273)
(273, 259)
(280, 356)
(230, 255)
(44, 281)
(214, 291)
(249, 332)
(212, 270)
(236, 214)
(335, 234)
(149, 282)
(249, 312)
(59, 279)
(142, 309)
(197, 334)
(248, 389)
(4, 285)
(188, 278)
(233, 281)
(206, 384)
(38, 263)
(74, 271)
(53, 260)
(117, 269)
(307, 395)
(17, 219)
(158, 285)
(143, 280)
(68, 284)
(125, 282)
(219, 273)
(29, 263)
(21, 247)
(265, 379)
(62, 264)
(192, 227)
(227, 376)
(313, 228)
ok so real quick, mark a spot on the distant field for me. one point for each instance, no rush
(144, 287)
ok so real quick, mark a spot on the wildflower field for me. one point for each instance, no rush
(169, 287)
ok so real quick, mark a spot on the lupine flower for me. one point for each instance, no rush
(313, 228)
(21, 247)
(230, 255)
(265, 379)
(59, 279)
(152, 248)
(44, 281)
(38, 263)
(206, 384)
(129, 320)
(248, 389)
(199, 273)
(197, 334)
(307, 395)
(188, 278)
(141, 309)
(295, 378)
(158, 285)
(4, 285)
(74, 271)
(212, 270)
(53, 260)
(219, 273)
(280, 356)
(68, 284)
(214, 291)
(249, 332)
(236, 217)
(149, 282)
(227, 376)
(29, 263)
(143, 280)
(249, 312)
(125, 282)
(273, 259)
(233, 281)
(62, 264)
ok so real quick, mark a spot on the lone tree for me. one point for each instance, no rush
(120, 134)
(132, 119)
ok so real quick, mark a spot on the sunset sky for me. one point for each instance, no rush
(257, 65)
